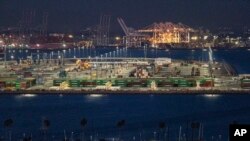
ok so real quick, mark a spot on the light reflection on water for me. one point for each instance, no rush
(212, 96)
(26, 96)
(140, 112)
(94, 97)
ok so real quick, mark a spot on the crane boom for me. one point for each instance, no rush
(123, 25)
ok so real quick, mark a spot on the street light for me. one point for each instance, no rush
(117, 38)
(64, 45)
(12, 57)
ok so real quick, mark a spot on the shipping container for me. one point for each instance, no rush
(27, 74)
(10, 84)
(101, 82)
(245, 83)
(30, 81)
(120, 82)
(206, 83)
(88, 83)
(57, 82)
(24, 85)
(165, 84)
(136, 83)
(74, 83)
(18, 85)
(2, 84)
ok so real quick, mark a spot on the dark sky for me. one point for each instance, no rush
(73, 15)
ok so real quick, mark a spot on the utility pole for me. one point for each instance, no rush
(5, 56)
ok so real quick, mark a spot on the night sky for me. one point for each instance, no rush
(74, 15)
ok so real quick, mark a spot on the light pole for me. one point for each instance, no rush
(59, 59)
(5, 56)
(38, 56)
(79, 52)
(145, 51)
(117, 52)
(83, 52)
(74, 52)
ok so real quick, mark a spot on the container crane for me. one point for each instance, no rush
(132, 38)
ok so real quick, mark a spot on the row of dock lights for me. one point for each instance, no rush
(12, 53)
(66, 53)
(119, 52)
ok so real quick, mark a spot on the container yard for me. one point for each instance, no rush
(142, 75)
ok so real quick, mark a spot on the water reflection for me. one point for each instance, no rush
(211, 95)
(94, 97)
(26, 96)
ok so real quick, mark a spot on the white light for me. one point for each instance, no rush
(29, 95)
(194, 38)
(212, 95)
(38, 45)
(205, 37)
(95, 95)
(117, 38)
(26, 96)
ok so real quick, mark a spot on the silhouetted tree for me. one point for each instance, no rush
(83, 123)
(8, 124)
(29, 138)
(120, 124)
(45, 127)
(194, 126)
(162, 126)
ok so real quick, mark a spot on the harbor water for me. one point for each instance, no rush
(142, 113)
